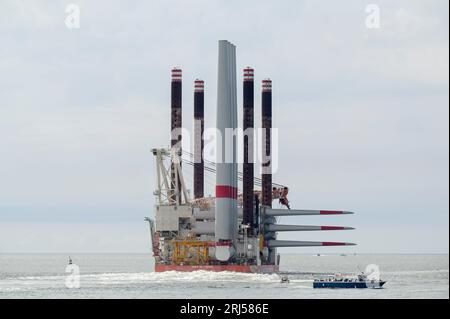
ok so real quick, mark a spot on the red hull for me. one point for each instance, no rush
(262, 269)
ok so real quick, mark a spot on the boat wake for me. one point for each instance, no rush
(142, 278)
(175, 276)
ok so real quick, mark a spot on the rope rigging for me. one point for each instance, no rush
(211, 167)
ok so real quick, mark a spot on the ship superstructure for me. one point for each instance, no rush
(233, 231)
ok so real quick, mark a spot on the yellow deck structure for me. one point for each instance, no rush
(191, 251)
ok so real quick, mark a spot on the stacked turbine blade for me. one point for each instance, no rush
(303, 212)
(226, 166)
(279, 227)
(289, 243)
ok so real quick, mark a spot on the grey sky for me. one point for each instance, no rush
(362, 114)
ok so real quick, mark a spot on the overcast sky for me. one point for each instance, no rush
(362, 115)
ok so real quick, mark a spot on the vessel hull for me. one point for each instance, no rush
(340, 284)
(262, 269)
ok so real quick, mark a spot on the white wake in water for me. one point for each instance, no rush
(196, 277)
(175, 276)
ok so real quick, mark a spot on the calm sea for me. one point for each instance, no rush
(132, 276)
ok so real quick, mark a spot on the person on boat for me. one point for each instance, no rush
(276, 193)
(283, 197)
(361, 276)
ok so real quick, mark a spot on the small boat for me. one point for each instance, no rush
(339, 281)
(70, 261)
(284, 280)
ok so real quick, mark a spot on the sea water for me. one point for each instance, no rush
(132, 276)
